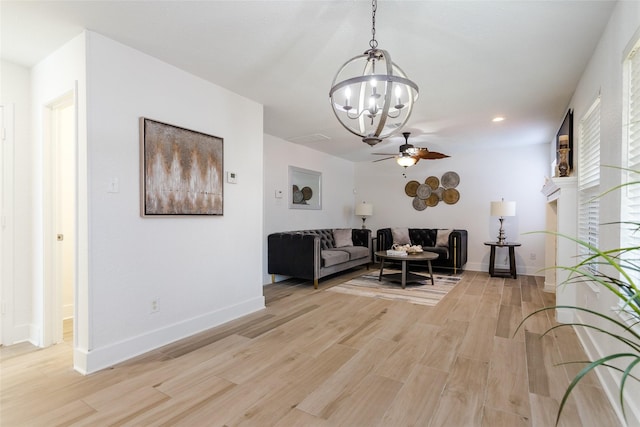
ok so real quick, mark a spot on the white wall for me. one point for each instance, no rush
(337, 191)
(603, 76)
(517, 174)
(60, 73)
(188, 264)
(16, 283)
(192, 265)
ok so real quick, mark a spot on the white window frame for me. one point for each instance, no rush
(630, 200)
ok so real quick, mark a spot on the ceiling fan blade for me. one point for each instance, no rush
(424, 153)
(416, 153)
(386, 158)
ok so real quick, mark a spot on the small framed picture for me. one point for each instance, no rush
(305, 189)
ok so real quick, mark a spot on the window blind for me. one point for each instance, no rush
(633, 136)
(589, 172)
(589, 181)
(631, 198)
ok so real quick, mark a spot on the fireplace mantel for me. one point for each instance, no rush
(561, 219)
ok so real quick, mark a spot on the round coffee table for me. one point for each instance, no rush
(406, 276)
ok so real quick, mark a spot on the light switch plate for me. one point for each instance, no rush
(114, 185)
(232, 177)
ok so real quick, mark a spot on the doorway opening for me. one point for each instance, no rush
(60, 221)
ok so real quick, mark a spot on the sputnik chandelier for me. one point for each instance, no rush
(370, 95)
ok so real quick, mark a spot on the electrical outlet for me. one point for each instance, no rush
(155, 306)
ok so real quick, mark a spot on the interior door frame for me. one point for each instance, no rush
(52, 314)
(7, 191)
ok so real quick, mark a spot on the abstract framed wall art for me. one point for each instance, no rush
(181, 171)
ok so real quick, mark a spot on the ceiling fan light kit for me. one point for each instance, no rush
(370, 95)
(406, 160)
(410, 155)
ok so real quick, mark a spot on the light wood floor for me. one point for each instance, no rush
(315, 358)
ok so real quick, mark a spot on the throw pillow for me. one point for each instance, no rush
(442, 238)
(401, 236)
(342, 236)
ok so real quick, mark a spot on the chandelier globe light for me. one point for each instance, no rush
(370, 95)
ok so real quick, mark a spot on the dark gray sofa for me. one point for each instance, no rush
(312, 254)
(453, 255)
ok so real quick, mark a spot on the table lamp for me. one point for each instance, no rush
(364, 210)
(502, 209)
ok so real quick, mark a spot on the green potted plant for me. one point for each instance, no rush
(614, 271)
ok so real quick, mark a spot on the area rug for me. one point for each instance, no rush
(421, 292)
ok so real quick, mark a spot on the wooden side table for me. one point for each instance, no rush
(511, 272)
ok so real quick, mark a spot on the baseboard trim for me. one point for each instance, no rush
(564, 315)
(609, 383)
(549, 287)
(88, 362)
(35, 335)
(20, 333)
(522, 270)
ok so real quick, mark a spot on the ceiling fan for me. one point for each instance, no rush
(410, 155)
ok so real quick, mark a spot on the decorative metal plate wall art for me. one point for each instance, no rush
(450, 180)
(423, 191)
(419, 204)
(450, 196)
(432, 182)
(432, 200)
(411, 188)
(433, 191)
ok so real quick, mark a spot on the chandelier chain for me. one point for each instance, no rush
(374, 6)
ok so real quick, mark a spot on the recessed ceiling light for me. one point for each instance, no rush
(497, 119)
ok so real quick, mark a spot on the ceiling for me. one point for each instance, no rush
(472, 60)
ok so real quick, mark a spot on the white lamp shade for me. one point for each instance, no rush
(503, 208)
(364, 209)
